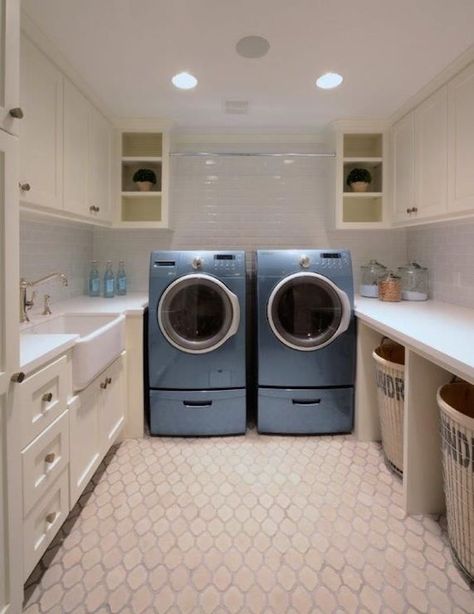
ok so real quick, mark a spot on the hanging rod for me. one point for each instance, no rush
(193, 154)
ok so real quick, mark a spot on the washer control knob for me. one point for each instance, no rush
(197, 263)
(304, 262)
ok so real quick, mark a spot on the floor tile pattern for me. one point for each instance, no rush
(252, 525)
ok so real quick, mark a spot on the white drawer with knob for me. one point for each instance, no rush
(41, 398)
(44, 521)
(44, 459)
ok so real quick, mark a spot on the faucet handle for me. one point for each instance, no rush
(46, 306)
(30, 304)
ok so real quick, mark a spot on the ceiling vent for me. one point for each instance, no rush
(236, 107)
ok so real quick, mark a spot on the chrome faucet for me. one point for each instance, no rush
(27, 304)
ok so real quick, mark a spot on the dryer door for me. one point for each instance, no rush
(197, 313)
(307, 311)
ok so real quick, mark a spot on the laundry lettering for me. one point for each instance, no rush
(457, 445)
(392, 387)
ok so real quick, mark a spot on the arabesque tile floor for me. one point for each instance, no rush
(248, 525)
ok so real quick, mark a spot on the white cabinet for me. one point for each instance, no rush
(431, 155)
(10, 111)
(420, 164)
(76, 149)
(461, 141)
(97, 415)
(10, 468)
(99, 165)
(403, 167)
(41, 134)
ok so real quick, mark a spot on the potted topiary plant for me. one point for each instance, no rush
(358, 179)
(145, 179)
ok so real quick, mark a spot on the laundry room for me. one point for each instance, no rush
(237, 306)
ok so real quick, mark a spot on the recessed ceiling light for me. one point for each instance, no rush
(184, 80)
(252, 47)
(329, 80)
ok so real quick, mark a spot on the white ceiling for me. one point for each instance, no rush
(127, 51)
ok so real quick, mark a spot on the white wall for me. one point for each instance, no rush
(247, 203)
(447, 249)
(47, 246)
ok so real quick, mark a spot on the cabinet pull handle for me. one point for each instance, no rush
(25, 187)
(414, 209)
(17, 113)
(103, 385)
(50, 518)
(109, 380)
(408, 211)
(47, 397)
(17, 378)
(197, 403)
(306, 401)
(49, 458)
(92, 208)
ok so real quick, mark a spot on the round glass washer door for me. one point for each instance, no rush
(197, 313)
(307, 311)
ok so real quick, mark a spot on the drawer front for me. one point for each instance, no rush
(44, 521)
(310, 411)
(42, 398)
(44, 459)
(197, 412)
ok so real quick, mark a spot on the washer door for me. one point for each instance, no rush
(307, 311)
(197, 313)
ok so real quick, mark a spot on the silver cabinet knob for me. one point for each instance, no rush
(49, 458)
(304, 262)
(50, 518)
(47, 397)
(25, 187)
(103, 385)
(197, 263)
(109, 380)
(17, 113)
(17, 378)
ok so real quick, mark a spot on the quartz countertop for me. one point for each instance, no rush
(36, 350)
(133, 303)
(441, 332)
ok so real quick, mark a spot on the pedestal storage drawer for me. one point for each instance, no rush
(44, 459)
(42, 397)
(44, 521)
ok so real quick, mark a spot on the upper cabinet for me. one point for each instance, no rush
(41, 134)
(10, 111)
(65, 144)
(361, 191)
(419, 160)
(461, 141)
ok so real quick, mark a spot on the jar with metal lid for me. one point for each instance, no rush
(370, 275)
(390, 288)
(414, 282)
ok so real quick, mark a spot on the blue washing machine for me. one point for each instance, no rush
(306, 341)
(196, 343)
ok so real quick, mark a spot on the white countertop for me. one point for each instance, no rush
(441, 332)
(37, 349)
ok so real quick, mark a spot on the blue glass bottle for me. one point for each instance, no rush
(109, 281)
(94, 280)
(121, 279)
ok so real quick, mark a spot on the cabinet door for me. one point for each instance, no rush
(41, 136)
(9, 64)
(85, 446)
(10, 476)
(76, 143)
(461, 141)
(403, 158)
(113, 403)
(431, 157)
(99, 177)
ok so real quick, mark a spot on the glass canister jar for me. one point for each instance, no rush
(370, 275)
(414, 282)
(390, 288)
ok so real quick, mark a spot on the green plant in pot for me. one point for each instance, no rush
(145, 179)
(358, 179)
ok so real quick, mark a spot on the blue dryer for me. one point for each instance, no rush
(196, 343)
(306, 341)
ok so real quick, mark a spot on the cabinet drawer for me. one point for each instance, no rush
(41, 399)
(44, 459)
(44, 521)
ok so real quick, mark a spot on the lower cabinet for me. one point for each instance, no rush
(96, 417)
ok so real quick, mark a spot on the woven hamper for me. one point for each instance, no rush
(456, 402)
(390, 378)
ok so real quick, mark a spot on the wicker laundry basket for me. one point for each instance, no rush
(456, 402)
(390, 378)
